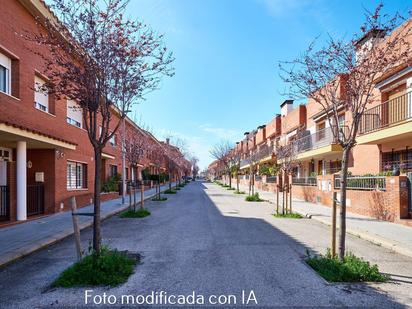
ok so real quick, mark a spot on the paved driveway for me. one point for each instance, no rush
(207, 240)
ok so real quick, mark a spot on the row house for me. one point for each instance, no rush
(45, 154)
(384, 144)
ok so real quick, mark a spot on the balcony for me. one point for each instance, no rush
(387, 121)
(312, 145)
(262, 153)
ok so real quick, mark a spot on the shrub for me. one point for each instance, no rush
(351, 269)
(162, 177)
(140, 213)
(231, 188)
(112, 184)
(159, 199)
(111, 268)
(239, 192)
(253, 198)
(292, 215)
(170, 191)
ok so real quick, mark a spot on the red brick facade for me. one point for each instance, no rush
(65, 142)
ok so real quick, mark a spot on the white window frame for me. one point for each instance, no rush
(75, 116)
(75, 175)
(5, 62)
(41, 98)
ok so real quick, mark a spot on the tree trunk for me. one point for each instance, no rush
(230, 179)
(343, 185)
(237, 181)
(96, 200)
(170, 180)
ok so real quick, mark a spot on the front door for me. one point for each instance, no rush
(5, 156)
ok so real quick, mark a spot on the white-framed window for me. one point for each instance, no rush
(112, 140)
(74, 114)
(5, 154)
(341, 120)
(76, 175)
(41, 97)
(5, 74)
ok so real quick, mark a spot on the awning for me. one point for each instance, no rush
(10, 133)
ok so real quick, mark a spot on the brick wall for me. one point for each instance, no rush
(389, 205)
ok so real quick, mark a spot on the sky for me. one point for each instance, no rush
(227, 53)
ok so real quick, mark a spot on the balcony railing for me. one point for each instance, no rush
(367, 183)
(386, 114)
(262, 152)
(304, 181)
(321, 138)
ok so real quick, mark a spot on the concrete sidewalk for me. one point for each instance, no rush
(22, 239)
(387, 234)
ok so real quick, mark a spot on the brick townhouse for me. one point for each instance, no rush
(45, 154)
(384, 142)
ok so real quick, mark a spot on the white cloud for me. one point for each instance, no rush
(222, 133)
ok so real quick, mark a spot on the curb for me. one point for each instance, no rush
(11, 257)
(377, 240)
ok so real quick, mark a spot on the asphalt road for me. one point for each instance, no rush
(207, 241)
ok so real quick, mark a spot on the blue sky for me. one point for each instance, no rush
(227, 51)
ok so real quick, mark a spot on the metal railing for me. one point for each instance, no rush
(320, 138)
(271, 179)
(367, 183)
(386, 114)
(404, 165)
(304, 181)
(35, 199)
(4, 203)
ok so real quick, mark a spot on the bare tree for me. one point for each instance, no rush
(157, 157)
(195, 168)
(222, 152)
(235, 166)
(341, 73)
(103, 61)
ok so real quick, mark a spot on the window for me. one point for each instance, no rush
(321, 131)
(41, 97)
(76, 175)
(5, 68)
(74, 114)
(113, 170)
(112, 140)
(341, 120)
(5, 154)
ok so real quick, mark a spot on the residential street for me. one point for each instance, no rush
(208, 240)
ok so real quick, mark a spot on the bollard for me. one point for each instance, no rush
(142, 196)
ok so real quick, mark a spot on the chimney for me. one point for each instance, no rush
(167, 140)
(286, 107)
(364, 44)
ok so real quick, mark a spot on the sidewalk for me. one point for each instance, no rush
(22, 239)
(386, 234)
